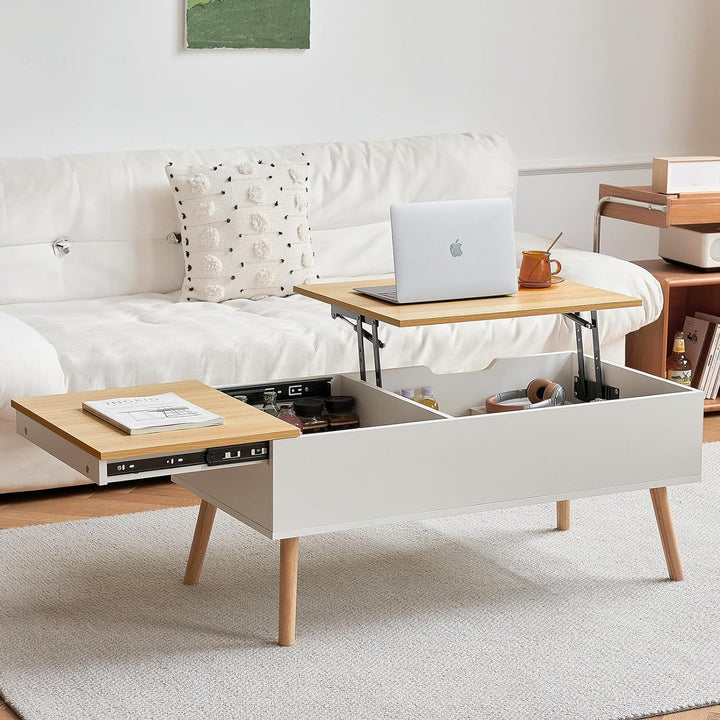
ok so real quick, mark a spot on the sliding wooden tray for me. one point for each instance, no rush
(59, 425)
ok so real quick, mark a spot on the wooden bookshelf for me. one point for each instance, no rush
(685, 291)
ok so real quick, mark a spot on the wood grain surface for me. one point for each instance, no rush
(64, 415)
(560, 298)
(682, 208)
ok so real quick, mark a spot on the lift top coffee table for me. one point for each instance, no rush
(406, 461)
(566, 298)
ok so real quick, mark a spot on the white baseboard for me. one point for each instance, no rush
(596, 167)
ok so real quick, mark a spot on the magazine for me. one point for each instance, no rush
(153, 413)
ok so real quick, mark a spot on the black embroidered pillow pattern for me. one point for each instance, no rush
(244, 229)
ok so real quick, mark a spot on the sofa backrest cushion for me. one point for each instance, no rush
(117, 209)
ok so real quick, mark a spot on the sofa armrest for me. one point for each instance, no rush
(29, 364)
(608, 273)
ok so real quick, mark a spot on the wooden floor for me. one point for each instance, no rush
(88, 501)
(711, 430)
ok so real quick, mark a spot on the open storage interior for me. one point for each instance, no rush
(374, 409)
(457, 393)
(408, 461)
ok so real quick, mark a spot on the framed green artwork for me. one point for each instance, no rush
(248, 23)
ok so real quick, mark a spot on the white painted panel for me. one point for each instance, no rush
(62, 449)
(376, 408)
(455, 393)
(243, 491)
(460, 464)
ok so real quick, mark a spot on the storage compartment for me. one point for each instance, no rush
(407, 461)
(374, 409)
(685, 292)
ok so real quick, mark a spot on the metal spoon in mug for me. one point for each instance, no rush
(553, 242)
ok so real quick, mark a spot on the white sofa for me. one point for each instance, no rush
(106, 313)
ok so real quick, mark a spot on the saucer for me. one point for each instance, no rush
(554, 280)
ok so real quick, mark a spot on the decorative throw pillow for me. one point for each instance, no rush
(244, 229)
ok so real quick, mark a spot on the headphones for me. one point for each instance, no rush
(541, 393)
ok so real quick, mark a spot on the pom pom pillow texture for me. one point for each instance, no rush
(244, 228)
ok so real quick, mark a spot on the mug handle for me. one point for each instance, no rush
(559, 267)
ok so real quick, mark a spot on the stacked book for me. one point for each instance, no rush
(152, 413)
(702, 349)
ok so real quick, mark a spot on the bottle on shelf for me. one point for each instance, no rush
(677, 367)
(426, 397)
(270, 403)
(408, 393)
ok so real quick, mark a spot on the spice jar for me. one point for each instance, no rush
(339, 412)
(270, 403)
(288, 414)
(309, 412)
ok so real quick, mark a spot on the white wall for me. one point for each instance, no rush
(551, 202)
(570, 82)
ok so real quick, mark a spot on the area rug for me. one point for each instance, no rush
(494, 615)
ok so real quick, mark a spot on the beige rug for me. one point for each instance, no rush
(489, 616)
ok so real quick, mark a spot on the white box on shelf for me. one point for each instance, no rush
(672, 175)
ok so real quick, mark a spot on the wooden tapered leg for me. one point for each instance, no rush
(288, 590)
(203, 527)
(667, 532)
(563, 514)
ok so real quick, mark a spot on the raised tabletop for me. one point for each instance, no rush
(63, 415)
(565, 297)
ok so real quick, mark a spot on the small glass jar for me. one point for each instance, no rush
(270, 403)
(309, 412)
(339, 412)
(426, 397)
(288, 414)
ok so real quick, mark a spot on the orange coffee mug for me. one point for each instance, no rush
(536, 269)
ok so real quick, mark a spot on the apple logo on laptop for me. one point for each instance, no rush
(456, 248)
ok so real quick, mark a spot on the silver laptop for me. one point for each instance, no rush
(450, 249)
